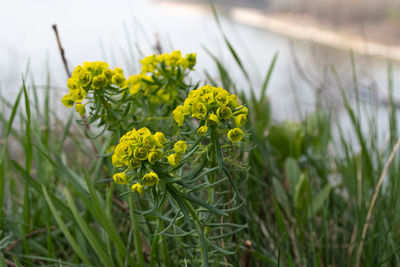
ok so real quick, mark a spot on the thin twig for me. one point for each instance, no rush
(64, 60)
(222, 242)
(31, 234)
(62, 52)
(10, 263)
(373, 201)
(157, 45)
(123, 205)
(359, 183)
(353, 239)
(248, 246)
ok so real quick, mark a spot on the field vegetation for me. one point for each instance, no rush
(269, 194)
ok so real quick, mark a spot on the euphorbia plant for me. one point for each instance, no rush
(178, 149)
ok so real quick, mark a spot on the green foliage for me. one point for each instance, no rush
(287, 139)
(308, 194)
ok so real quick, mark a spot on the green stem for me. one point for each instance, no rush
(154, 245)
(164, 248)
(203, 248)
(109, 196)
(136, 234)
(198, 224)
(213, 162)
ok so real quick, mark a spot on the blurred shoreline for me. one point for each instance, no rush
(289, 25)
(296, 26)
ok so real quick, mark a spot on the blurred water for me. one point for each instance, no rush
(123, 31)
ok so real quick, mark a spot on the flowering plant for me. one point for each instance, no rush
(178, 148)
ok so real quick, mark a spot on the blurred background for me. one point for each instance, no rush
(310, 37)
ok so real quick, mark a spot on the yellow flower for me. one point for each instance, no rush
(242, 110)
(123, 151)
(120, 178)
(134, 83)
(233, 102)
(132, 136)
(149, 142)
(148, 64)
(194, 93)
(208, 98)
(160, 138)
(119, 70)
(212, 120)
(99, 82)
(178, 116)
(118, 79)
(202, 130)
(78, 95)
(186, 107)
(95, 67)
(115, 161)
(134, 163)
(88, 65)
(80, 108)
(240, 120)
(67, 101)
(173, 58)
(72, 83)
(222, 98)
(199, 110)
(85, 77)
(174, 159)
(183, 63)
(137, 188)
(235, 135)
(144, 131)
(108, 74)
(140, 153)
(161, 58)
(77, 70)
(154, 156)
(180, 147)
(224, 113)
(191, 58)
(150, 179)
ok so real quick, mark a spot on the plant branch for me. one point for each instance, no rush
(31, 234)
(62, 51)
(373, 201)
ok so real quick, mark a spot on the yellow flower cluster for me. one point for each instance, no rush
(137, 146)
(91, 76)
(213, 106)
(159, 66)
(134, 148)
(149, 179)
(179, 149)
(174, 59)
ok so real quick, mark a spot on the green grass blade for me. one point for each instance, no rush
(268, 77)
(105, 221)
(392, 108)
(17, 262)
(28, 135)
(2, 261)
(10, 123)
(37, 187)
(97, 244)
(64, 227)
(230, 47)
